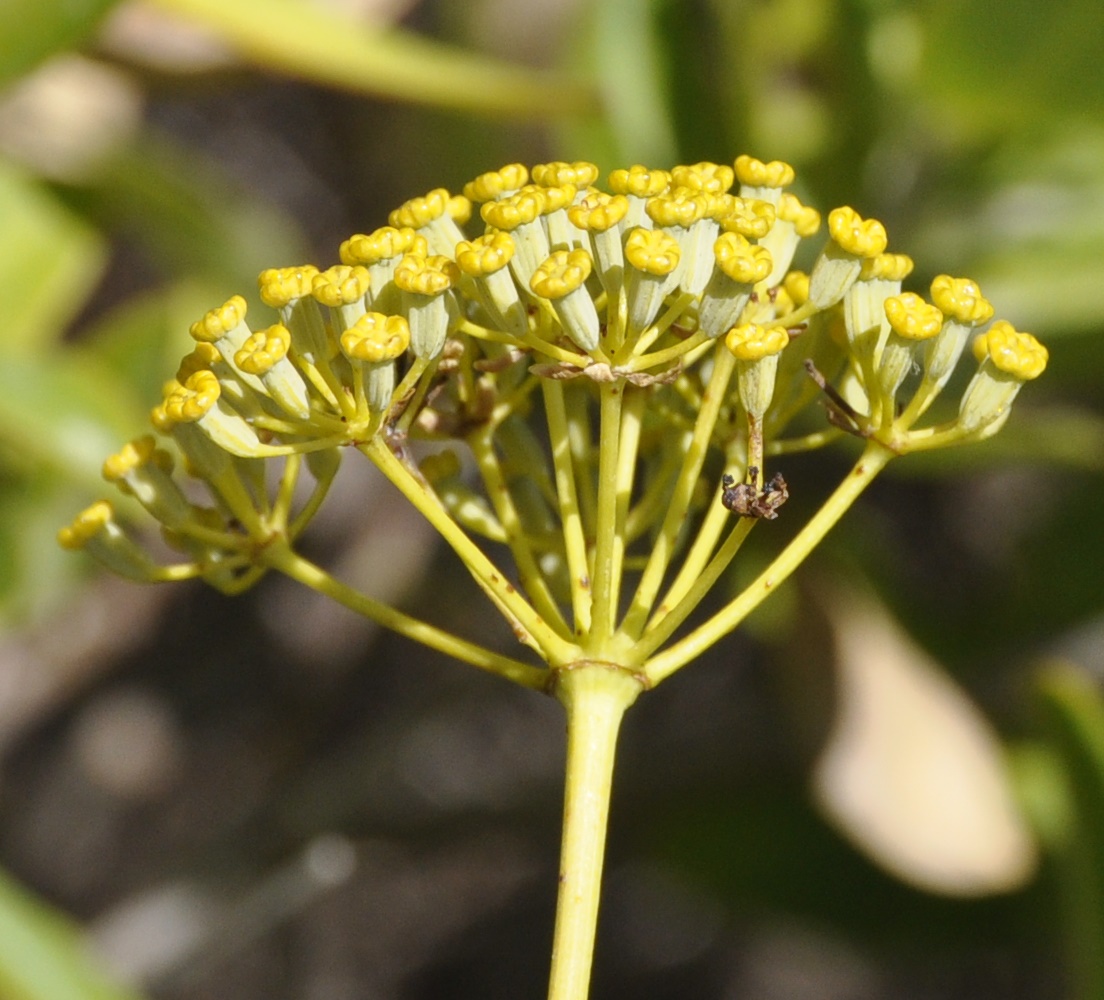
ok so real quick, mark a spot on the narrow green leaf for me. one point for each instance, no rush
(298, 38)
(42, 954)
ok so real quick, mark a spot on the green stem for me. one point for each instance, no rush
(581, 448)
(701, 551)
(567, 494)
(528, 625)
(481, 443)
(595, 696)
(697, 575)
(282, 557)
(663, 548)
(870, 463)
(608, 541)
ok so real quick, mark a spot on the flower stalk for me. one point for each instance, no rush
(595, 697)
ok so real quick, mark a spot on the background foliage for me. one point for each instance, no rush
(236, 806)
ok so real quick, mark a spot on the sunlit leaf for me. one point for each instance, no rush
(302, 39)
(620, 45)
(35, 572)
(143, 339)
(1034, 236)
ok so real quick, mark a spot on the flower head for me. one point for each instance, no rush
(606, 356)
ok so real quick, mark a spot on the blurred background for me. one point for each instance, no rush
(889, 784)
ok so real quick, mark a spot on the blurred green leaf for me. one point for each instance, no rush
(143, 339)
(65, 413)
(31, 30)
(49, 262)
(1033, 234)
(1073, 711)
(42, 953)
(301, 39)
(35, 572)
(1004, 66)
(187, 216)
(621, 47)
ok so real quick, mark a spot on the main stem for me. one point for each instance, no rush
(595, 696)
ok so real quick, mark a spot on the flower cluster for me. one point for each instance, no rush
(608, 357)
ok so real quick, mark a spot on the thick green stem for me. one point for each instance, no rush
(595, 696)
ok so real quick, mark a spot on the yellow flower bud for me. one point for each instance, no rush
(750, 341)
(752, 218)
(263, 349)
(886, 267)
(742, 261)
(652, 250)
(485, 254)
(187, 402)
(514, 211)
(132, 455)
(805, 219)
(561, 279)
(88, 523)
(858, 236)
(341, 285)
(757, 350)
(376, 338)
(561, 273)
(961, 300)
(756, 173)
(580, 174)
(1017, 354)
(496, 183)
(913, 318)
(419, 212)
(431, 275)
(712, 178)
(280, 286)
(217, 323)
(639, 181)
(599, 212)
(386, 243)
